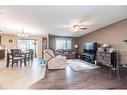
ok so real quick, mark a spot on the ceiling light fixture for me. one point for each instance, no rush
(22, 35)
(77, 28)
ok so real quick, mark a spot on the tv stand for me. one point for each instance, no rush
(89, 57)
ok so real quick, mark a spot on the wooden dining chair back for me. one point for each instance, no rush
(16, 56)
(30, 55)
(9, 57)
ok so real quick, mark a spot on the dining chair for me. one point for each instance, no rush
(29, 56)
(9, 57)
(17, 56)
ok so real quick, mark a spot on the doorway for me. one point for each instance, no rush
(28, 44)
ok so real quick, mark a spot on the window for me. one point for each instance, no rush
(63, 43)
(28, 44)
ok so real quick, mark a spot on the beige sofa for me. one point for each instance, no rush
(54, 62)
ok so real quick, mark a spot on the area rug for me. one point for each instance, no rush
(78, 65)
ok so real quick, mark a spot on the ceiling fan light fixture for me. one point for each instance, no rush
(77, 28)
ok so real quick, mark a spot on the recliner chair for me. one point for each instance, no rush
(54, 62)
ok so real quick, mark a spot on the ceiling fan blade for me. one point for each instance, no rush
(83, 28)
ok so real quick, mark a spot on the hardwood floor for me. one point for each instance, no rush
(100, 78)
(20, 77)
(32, 77)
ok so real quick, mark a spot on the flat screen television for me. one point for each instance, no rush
(90, 47)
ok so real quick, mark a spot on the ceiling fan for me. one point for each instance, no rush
(76, 27)
(79, 27)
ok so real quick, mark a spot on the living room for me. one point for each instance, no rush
(114, 35)
(78, 50)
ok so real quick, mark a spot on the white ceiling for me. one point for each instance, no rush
(56, 20)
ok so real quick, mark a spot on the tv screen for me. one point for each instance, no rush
(90, 47)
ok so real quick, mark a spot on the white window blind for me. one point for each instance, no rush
(63, 43)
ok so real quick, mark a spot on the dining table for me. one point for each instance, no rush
(9, 57)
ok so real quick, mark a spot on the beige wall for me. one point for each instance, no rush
(113, 34)
(5, 41)
(14, 44)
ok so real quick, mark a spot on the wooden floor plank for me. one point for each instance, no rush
(100, 78)
(20, 77)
